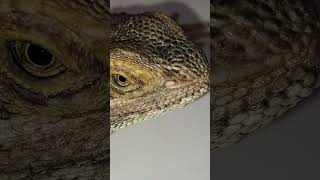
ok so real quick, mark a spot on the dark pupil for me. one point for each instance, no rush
(38, 55)
(122, 79)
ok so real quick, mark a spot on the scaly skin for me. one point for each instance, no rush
(265, 59)
(165, 71)
(56, 127)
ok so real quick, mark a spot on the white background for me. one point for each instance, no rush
(174, 146)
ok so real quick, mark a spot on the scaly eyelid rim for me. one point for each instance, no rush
(17, 60)
(12, 48)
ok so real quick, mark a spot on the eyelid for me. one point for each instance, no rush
(20, 60)
(12, 46)
(115, 78)
(133, 85)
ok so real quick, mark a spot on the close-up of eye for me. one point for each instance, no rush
(125, 84)
(120, 80)
(35, 60)
(54, 89)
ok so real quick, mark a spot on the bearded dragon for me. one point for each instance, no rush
(54, 90)
(154, 68)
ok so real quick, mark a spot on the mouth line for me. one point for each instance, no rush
(183, 84)
(171, 105)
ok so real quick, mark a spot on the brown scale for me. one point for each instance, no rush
(264, 61)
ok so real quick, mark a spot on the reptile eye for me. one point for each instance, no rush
(38, 56)
(120, 80)
(35, 60)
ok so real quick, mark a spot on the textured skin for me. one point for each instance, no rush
(55, 128)
(265, 59)
(155, 47)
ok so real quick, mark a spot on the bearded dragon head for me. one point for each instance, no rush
(154, 68)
